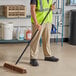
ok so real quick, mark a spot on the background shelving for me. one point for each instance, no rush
(26, 20)
(59, 19)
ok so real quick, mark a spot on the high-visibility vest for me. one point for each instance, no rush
(41, 10)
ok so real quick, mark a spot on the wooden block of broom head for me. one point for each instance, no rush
(15, 68)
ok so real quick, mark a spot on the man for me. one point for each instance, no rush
(39, 9)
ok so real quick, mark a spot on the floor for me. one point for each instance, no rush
(65, 67)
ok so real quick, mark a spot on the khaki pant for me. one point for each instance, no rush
(45, 32)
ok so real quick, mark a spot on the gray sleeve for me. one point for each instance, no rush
(33, 2)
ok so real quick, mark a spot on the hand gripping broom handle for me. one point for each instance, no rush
(32, 37)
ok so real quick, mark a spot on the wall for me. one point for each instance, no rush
(17, 22)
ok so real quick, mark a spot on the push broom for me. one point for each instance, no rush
(19, 69)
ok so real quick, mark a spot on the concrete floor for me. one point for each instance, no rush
(65, 67)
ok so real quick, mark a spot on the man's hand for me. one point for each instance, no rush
(38, 27)
(52, 7)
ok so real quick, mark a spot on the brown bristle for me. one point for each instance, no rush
(15, 68)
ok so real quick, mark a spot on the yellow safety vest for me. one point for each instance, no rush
(41, 10)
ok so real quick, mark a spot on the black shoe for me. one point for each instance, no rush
(34, 62)
(52, 59)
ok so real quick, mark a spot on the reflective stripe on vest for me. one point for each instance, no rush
(41, 6)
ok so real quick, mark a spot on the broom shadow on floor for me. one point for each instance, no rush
(25, 63)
